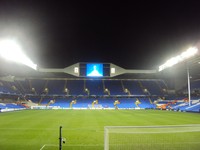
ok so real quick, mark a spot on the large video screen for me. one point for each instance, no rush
(94, 70)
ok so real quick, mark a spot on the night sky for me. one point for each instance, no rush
(132, 35)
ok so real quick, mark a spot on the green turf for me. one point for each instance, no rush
(83, 129)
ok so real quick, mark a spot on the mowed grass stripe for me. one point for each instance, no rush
(31, 129)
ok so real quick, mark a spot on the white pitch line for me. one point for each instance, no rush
(76, 145)
(43, 146)
(53, 129)
(48, 145)
(82, 145)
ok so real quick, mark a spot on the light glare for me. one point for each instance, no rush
(183, 56)
(10, 50)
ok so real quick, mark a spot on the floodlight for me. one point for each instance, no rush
(175, 60)
(190, 52)
(11, 50)
(182, 57)
(87, 91)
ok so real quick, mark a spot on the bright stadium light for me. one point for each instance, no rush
(11, 50)
(182, 57)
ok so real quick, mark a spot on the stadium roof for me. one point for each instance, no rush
(11, 69)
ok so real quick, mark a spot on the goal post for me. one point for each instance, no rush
(170, 137)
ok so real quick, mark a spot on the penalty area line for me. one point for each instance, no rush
(45, 145)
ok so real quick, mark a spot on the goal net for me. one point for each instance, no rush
(179, 137)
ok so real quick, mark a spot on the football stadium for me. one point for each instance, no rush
(94, 75)
(101, 106)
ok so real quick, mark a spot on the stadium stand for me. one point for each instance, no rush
(95, 87)
(75, 87)
(55, 87)
(115, 87)
(152, 87)
(8, 88)
(10, 105)
(60, 93)
(133, 87)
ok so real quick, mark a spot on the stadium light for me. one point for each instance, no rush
(11, 50)
(190, 52)
(107, 91)
(182, 57)
(87, 91)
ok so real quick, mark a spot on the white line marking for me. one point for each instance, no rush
(43, 146)
(46, 145)
(75, 145)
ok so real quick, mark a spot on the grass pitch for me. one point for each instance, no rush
(83, 129)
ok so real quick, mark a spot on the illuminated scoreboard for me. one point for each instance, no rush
(94, 70)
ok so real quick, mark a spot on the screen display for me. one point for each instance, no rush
(94, 70)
